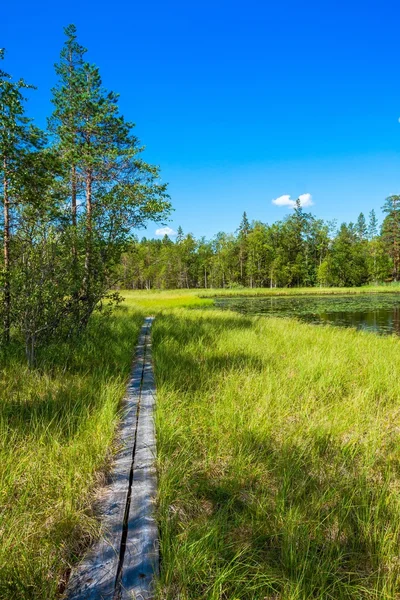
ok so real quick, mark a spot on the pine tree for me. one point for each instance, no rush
(66, 120)
(119, 190)
(243, 232)
(391, 232)
(179, 251)
(244, 227)
(372, 225)
(361, 227)
(374, 245)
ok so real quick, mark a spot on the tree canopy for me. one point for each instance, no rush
(70, 205)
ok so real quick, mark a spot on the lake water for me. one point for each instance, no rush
(379, 313)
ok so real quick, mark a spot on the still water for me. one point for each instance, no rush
(379, 313)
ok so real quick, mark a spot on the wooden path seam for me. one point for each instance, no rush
(125, 562)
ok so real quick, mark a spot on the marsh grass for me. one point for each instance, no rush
(57, 424)
(278, 456)
(309, 291)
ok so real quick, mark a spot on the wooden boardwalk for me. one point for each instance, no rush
(125, 562)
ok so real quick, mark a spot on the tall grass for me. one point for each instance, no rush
(278, 456)
(309, 291)
(163, 299)
(57, 425)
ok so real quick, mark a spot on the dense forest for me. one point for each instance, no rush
(71, 197)
(300, 250)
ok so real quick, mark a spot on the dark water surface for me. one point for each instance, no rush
(379, 313)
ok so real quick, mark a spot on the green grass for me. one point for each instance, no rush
(278, 456)
(310, 291)
(57, 425)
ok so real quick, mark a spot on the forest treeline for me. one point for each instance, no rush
(300, 250)
(71, 196)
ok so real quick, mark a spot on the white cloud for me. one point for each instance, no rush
(165, 231)
(285, 200)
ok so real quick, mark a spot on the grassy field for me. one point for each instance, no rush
(317, 291)
(278, 454)
(168, 296)
(56, 431)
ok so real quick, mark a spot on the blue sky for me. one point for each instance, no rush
(239, 103)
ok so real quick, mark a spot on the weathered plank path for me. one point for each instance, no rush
(125, 562)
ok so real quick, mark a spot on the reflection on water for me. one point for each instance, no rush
(381, 320)
(377, 313)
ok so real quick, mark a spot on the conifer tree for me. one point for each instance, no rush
(374, 245)
(118, 188)
(391, 232)
(66, 120)
(243, 232)
(179, 250)
(361, 227)
(372, 225)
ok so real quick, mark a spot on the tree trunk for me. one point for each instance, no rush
(89, 231)
(6, 247)
(73, 210)
(30, 347)
(73, 196)
(124, 261)
(75, 269)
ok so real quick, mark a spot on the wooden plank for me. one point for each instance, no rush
(141, 562)
(95, 577)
